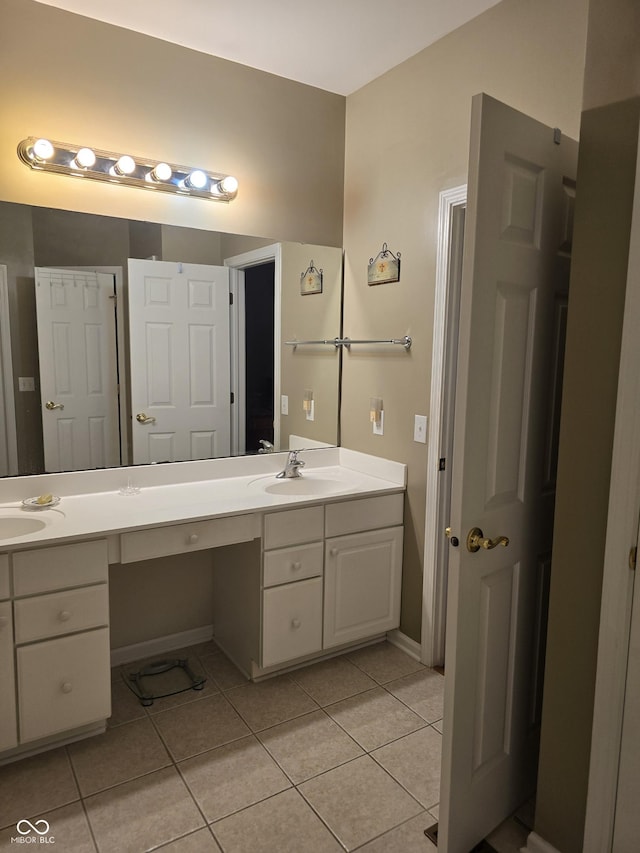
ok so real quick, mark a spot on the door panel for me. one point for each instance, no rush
(179, 340)
(515, 278)
(78, 368)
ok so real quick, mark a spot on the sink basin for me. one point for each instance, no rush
(17, 525)
(307, 484)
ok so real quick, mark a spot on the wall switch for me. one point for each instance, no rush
(26, 383)
(378, 426)
(284, 405)
(311, 414)
(420, 429)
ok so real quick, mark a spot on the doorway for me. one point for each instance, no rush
(259, 355)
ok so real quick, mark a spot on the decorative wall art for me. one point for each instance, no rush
(311, 280)
(384, 268)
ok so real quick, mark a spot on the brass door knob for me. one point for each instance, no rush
(476, 540)
(145, 419)
(51, 405)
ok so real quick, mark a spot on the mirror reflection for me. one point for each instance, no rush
(127, 342)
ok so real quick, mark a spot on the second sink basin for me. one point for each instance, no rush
(307, 484)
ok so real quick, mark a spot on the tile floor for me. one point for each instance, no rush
(341, 755)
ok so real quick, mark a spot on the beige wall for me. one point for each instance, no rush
(407, 139)
(75, 79)
(310, 317)
(606, 172)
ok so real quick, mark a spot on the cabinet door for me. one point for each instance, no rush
(363, 575)
(8, 736)
(63, 684)
(291, 621)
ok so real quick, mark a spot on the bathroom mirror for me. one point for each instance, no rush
(274, 390)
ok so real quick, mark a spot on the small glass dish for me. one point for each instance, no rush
(33, 503)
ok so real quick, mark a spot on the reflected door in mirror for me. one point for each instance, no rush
(180, 366)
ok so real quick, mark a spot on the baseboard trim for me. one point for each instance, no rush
(160, 645)
(536, 844)
(413, 649)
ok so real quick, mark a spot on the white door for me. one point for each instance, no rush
(179, 348)
(521, 187)
(78, 369)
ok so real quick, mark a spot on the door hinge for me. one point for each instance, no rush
(230, 298)
(442, 465)
(633, 558)
(233, 398)
(557, 135)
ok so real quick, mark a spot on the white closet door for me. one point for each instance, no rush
(179, 348)
(78, 369)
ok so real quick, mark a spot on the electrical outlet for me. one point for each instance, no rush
(284, 405)
(420, 429)
(378, 426)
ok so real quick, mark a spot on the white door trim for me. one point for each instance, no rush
(618, 579)
(433, 586)
(237, 264)
(9, 413)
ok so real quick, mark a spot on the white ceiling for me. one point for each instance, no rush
(337, 45)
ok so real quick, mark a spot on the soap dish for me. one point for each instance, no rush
(32, 503)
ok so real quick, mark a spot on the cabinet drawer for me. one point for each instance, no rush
(61, 613)
(293, 564)
(4, 576)
(291, 621)
(364, 514)
(293, 526)
(63, 684)
(179, 538)
(60, 566)
(8, 731)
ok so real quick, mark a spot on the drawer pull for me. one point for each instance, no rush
(193, 539)
(295, 624)
(67, 687)
(296, 566)
(64, 615)
(333, 552)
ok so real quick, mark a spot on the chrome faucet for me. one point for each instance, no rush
(267, 447)
(292, 468)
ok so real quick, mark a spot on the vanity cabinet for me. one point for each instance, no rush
(8, 728)
(61, 618)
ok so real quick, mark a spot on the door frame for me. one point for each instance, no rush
(445, 325)
(7, 394)
(237, 265)
(618, 578)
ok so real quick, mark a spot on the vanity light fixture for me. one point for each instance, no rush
(64, 158)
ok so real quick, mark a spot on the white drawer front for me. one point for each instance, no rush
(364, 514)
(60, 566)
(291, 621)
(293, 564)
(4, 576)
(293, 526)
(63, 684)
(179, 538)
(61, 613)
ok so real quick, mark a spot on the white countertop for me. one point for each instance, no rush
(91, 503)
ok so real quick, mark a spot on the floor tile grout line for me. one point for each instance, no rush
(404, 787)
(82, 802)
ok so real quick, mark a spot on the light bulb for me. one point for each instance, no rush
(84, 159)
(125, 165)
(228, 185)
(160, 172)
(42, 149)
(196, 179)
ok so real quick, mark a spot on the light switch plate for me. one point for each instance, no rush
(284, 405)
(420, 429)
(311, 414)
(378, 428)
